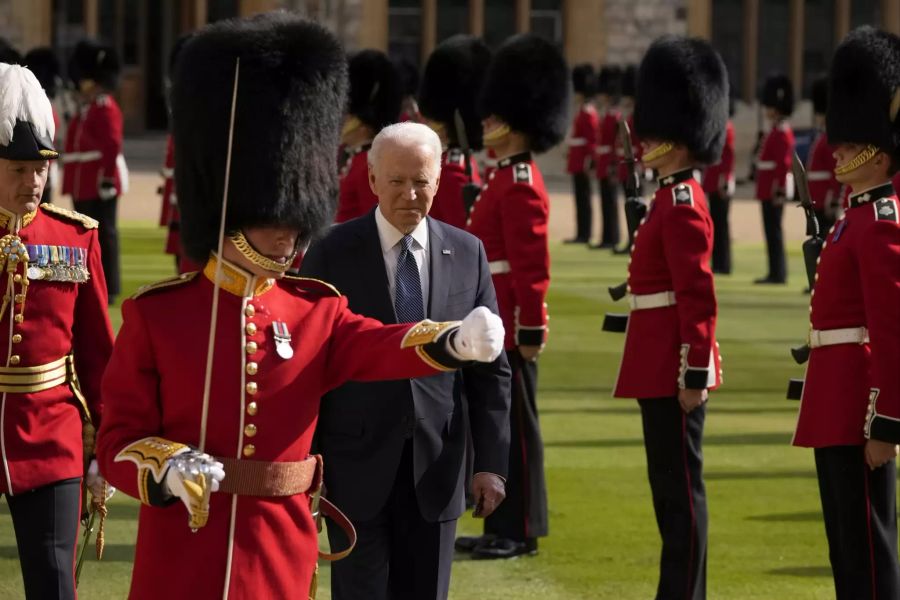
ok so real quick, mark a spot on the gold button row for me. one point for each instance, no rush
(251, 368)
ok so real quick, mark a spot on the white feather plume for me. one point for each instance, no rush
(23, 99)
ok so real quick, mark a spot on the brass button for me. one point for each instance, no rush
(20, 318)
(252, 368)
(20, 298)
(17, 278)
(252, 387)
(249, 450)
(15, 359)
(252, 408)
(251, 347)
(16, 338)
(249, 310)
(250, 430)
(251, 329)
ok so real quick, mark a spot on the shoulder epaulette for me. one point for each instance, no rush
(164, 284)
(71, 215)
(522, 173)
(886, 210)
(313, 285)
(682, 194)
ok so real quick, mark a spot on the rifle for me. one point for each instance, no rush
(470, 190)
(812, 246)
(635, 205)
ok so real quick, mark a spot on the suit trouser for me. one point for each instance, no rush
(772, 212)
(719, 207)
(104, 211)
(860, 510)
(581, 186)
(46, 524)
(398, 555)
(673, 442)
(609, 212)
(523, 514)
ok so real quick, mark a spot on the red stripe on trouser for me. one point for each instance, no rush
(869, 530)
(523, 447)
(687, 477)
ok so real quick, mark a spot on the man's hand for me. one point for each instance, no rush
(479, 337)
(878, 453)
(192, 476)
(691, 399)
(530, 353)
(97, 485)
(489, 491)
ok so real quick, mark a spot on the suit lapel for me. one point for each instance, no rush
(373, 273)
(441, 256)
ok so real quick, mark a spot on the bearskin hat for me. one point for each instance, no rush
(584, 80)
(291, 75)
(409, 75)
(778, 93)
(527, 86)
(629, 81)
(609, 81)
(452, 81)
(94, 61)
(682, 96)
(376, 89)
(45, 66)
(863, 97)
(819, 93)
(8, 54)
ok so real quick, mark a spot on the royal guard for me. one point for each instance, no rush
(524, 101)
(376, 94)
(774, 182)
(608, 90)
(409, 79)
(626, 105)
(824, 187)
(57, 340)
(94, 171)
(45, 66)
(452, 81)
(671, 358)
(718, 185)
(850, 408)
(213, 388)
(582, 142)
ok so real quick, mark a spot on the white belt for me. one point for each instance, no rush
(577, 141)
(167, 172)
(498, 267)
(74, 157)
(657, 300)
(818, 176)
(765, 165)
(604, 149)
(832, 337)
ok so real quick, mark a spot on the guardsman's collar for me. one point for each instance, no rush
(677, 177)
(514, 159)
(236, 280)
(876, 193)
(361, 148)
(8, 220)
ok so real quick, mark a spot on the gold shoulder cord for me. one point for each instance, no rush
(865, 155)
(249, 252)
(12, 254)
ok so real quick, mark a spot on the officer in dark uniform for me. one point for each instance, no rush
(850, 409)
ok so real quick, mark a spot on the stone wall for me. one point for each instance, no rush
(631, 25)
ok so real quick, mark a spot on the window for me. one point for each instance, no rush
(216, 10)
(405, 30)
(452, 18)
(728, 39)
(499, 21)
(774, 32)
(818, 41)
(865, 12)
(546, 20)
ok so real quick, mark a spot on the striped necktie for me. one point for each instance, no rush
(408, 295)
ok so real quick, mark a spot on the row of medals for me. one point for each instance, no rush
(58, 272)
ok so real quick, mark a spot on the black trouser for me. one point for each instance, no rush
(523, 514)
(860, 509)
(398, 555)
(772, 211)
(108, 234)
(719, 207)
(609, 212)
(581, 186)
(46, 524)
(673, 441)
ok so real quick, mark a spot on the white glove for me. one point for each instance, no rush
(192, 476)
(95, 482)
(479, 337)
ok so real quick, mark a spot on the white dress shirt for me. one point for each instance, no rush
(390, 238)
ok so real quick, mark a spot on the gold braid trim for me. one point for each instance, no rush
(864, 156)
(426, 332)
(490, 138)
(659, 151)
(249, 252)
(150, 455)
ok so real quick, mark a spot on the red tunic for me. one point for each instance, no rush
(93, 149)
(857, 285)
(721, 175)
(154, 387)
(622, 168)
(583, 140)
(773, 165)
(823, 185)
(896, 182)
(671, 253)
(605, 157)
(448, 203)
(490, 162)
(510, 218)
(41, 435)
(356, 197)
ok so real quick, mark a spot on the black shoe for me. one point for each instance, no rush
(806, 291)
(622, 250)
(576, 240)
(469, 543)
(721, 271)
(769, 281)
(504, 548)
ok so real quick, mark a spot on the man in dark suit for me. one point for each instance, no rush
(396, 450)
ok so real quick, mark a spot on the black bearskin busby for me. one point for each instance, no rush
(609, 81)
(452, 81)
(778, 93)
(682, 96)
(629, 81)
(95, 62)
(863, 96)
(409, 76)
(45, 66)
(292, 77)
(376, 89)
(584, 80)
(527, 86)
(819, 93)
(8, 54)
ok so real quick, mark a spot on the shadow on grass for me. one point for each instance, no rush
(801, 571)
(631, 410)
(743, 439)
(751, 475)
(797, 517)
(111, 552)
(117, 512)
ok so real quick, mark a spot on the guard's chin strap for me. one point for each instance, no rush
(658, 152)
(493, 137)
(864, 156)
(243, 245)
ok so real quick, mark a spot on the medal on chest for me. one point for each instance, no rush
(282, 340)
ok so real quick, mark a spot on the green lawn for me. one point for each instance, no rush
(766, 535)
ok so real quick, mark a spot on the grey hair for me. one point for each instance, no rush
(407, 133)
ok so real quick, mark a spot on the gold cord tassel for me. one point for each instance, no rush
(314, 584)
(99, 504)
